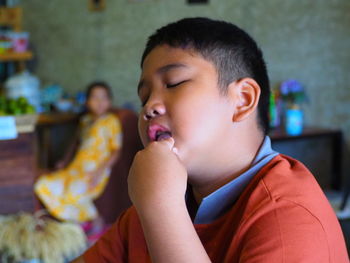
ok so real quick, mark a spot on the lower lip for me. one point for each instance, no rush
(163, 137)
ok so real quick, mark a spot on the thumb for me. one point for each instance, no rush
(169, 142)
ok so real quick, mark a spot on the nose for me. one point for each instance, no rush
(153, 110)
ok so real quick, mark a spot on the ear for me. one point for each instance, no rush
(245, 94)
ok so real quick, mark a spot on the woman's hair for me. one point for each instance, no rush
(98, 84)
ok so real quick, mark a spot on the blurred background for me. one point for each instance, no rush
(304, 40)
(68, 44)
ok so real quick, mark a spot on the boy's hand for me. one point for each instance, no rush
(157, 186)
(157, 177)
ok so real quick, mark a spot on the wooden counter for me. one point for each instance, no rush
(56, 118)
(17, 173)
(19, 163)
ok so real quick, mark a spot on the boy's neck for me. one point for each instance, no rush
(235, 167)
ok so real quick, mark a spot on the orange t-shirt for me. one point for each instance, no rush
(282, 216)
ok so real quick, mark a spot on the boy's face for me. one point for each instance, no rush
(181, 97)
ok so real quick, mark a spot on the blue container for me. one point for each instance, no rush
(294, 122)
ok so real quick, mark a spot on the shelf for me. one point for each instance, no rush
(11, 17)
(16, 56)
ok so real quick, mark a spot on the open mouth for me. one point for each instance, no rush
(157, 133)
(162, 135)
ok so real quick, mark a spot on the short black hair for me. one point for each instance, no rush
(98, 84)
(232, 51)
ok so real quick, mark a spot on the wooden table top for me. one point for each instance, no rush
(280, 134)
(56, 118)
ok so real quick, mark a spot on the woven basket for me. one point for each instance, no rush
(26, 123)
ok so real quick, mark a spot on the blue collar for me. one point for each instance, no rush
(218, 202)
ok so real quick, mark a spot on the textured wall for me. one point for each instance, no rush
(307, 40)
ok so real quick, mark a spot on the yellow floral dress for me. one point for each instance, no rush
(65, 193)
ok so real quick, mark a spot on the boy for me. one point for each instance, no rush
(208, 187)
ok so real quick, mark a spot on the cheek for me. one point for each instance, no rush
(192, 117)
(187, 127)
(199, 126)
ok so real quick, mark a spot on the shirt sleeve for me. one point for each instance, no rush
(109, 248)
(285, 234)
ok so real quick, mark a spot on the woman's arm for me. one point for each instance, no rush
(108, 163)
(111, 160)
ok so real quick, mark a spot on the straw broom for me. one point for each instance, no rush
(26, 236)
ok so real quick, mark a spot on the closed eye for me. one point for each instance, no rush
(143, 103)
(169, 86)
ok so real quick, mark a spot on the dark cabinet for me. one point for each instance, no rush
(17, 174)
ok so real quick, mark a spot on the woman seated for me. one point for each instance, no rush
(68, 193)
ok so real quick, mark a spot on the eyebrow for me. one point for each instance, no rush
(163, 70)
